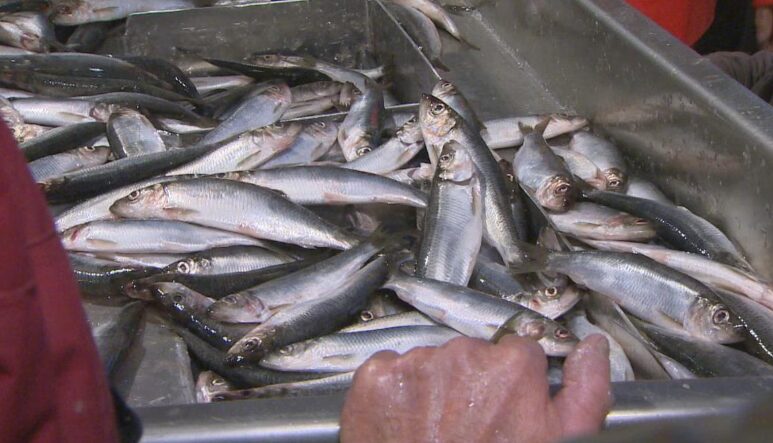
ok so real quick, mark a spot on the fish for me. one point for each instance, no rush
(12, 118)
(93, 181)
(261, 302)
(360, 131)
(103, 278)
(439, 124)
(245, 151)
(62, 139)
(392, 154)
(329, 384)
(649, 290)
(156, 261)
(605, 155)
(189, 308)
(758, 324)
(675, 370)
(346, 352)
(676, 225)
(704, 358)
(314, 141)
(638, 187)
(78, 12)
(57, 165)
(607, 315)
(329, 185)
(543, 173)
(341, 74)
(422, 31)
(315, 90)
(209, 384)
(228, 260)
(165, 71)
(148, 236)
(114, 337)
(582, 167)
(408, 318)
(240, 377)
(206, 85)
(436, 13)
(130, 134)
(478, 315)
(494, 279)
(234, 206)
(450, 94)
(619, 367)
(589, 220)
(308, 108)
(312, 318)
(88, 37)
(714, 274)
(506, 132)
(262, 107)
(158, 106)
(413, 176)
(62, 111)
(27, 30)
(453, 226)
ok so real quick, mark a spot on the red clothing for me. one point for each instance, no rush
(687, 20)
(52, 385)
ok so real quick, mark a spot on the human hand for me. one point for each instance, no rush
(470, 390)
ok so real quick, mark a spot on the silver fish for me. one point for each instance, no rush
(209, 385)
(26, 30)
(453, 226)
(59, 164)
(589, 220)
(234, 206)
(227, 260)
(62, 111)
(714, 274)
(148, 236)
(245, 151)
(605, 155)
(77, 12)
(360, 131)
(650, 291)
(410, 318)
(582, 167)
(393, 154)
(675, 370)
(314, 141)
(259, 303)
(262, 107)
(506, 132)
(329, 185)
(543, 173)
(319, 386)
(436, 13)
(413, 176)
(315, 90)
(638, 187)
(346, 352)
(130, 133)
(422, 30)
(478, 315)
(446, 91)
(206, 85)
(311, 107)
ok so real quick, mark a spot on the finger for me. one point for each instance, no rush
(584, 400)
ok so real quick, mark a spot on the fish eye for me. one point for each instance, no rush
(562, 333)
(720, 317)
(250, 344)
(278, 125)
(438, 108)
(89, 149)
(615, 182)
(640, 221)
(286, 350)
(268, 58)
(510, 177)
(321, 124)
(364, 150)
(551, 292)
(445, 84)
(445, 158)
(183, 267)
(562, 189)
(366, 315)
(273, 89)
(134, 195)
(412, 120)
(177, 298)
(218, 381)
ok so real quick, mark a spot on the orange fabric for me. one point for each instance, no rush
(687, 20)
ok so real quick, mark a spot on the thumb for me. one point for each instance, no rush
(584, 400)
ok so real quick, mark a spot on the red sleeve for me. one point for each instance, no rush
(687, 20)
(761, 3)
(52, 385)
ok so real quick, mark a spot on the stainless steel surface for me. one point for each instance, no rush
(316, 418)
(703, 138)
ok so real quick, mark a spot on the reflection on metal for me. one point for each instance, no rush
(700, 136)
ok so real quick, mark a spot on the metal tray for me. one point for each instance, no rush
(699, 135)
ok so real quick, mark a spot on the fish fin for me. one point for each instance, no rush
(101, 242)
(539, 128)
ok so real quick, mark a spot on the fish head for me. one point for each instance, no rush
(555, 339)
(191, 266)
(436, 118)
(455, 163)
(179, 297)
(233, 175)
(252, 347)
(615, 180)
(141, 203)
(564, 124)
(271, 61)
(712, 320)
(410, 131)
(95, 152)
(238, 308)
(70, 12)
(76, 236)
(322, 131)
(103, 111)
(444, 89)
(557, 193)
(630, 227)
(553, 301)
(279, 93)
(209, 384)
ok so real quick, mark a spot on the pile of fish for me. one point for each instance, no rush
(286, 248)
